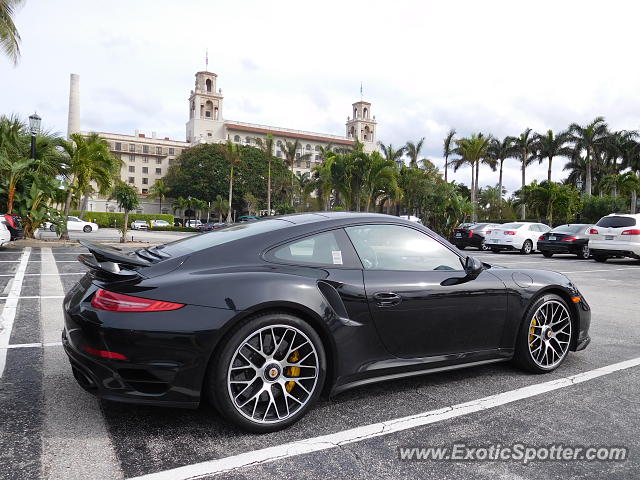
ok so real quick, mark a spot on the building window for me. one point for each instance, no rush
(158, 161)
(145, 169)
(158, 171)
(236, 138)
(145, 181)
(247, 140)
(171, 151)
(298, 155)
(308, 164)
(317, 158)
(317, 148)
(131, 179)
(279, 154)
(308, 147)
(279, 143)
(171, 161)
(298, 162)
(145, 191)
(158, 150)
(132, 158)
(118, 146)
(145, 149)
(132, 147)
(132, 169)
(145, 159)
(209, 134)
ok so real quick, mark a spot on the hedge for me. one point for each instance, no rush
(174, 229)
(109, 219)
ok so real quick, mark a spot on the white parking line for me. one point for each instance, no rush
(31, 296)
(33, 345)
(42, 274)
(10, 307)
(358, 434)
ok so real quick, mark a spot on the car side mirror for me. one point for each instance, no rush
(473, 266)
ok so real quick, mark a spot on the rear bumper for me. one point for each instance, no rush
(467, 242)
(504, 246)
(615, 248)
(558, 247)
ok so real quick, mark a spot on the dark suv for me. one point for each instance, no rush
(471, 235)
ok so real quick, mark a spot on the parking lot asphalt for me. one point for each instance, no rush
(51, 428)
(113, 235)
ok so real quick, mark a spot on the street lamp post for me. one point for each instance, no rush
(34, 128)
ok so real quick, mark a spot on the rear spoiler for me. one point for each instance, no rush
(110, 259)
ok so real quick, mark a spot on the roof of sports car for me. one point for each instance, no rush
(299, 218)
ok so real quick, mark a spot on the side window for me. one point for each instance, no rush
(394, 247)
(534, 228)
(320, 249)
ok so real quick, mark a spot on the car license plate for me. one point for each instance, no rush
(493, 241)
(552, 238)
(458, 234)
(609, 237)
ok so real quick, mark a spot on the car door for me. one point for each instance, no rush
(420, 298)
(74, 223)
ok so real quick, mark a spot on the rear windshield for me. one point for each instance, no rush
(202, 241)
(616, 222)
(569, 228)
(511, 225)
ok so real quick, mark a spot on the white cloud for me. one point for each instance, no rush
(497, 67)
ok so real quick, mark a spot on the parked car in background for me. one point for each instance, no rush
(571, 238)
(411, 218)
(73, 224)
(206, 227)
(5, 235)
(472, 235)
(248, 218)
(160, 223)
(13, 224)
(521, 236)
(193, 223)
(615, 235)
(139, 225)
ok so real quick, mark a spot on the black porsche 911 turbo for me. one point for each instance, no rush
(263, 317)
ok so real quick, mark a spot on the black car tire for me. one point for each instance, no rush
(52, 228)
(87, 229)
(600, 258)
(217, 389)
(483, 246)
(584, 252)
(462, 247)
(522, 357)
(527, 247)
(547, 254)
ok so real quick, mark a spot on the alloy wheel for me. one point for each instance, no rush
(549, 334)
(584, 252)
(273, 374)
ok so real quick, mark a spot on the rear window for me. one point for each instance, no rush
(569, 228)
(616, 222)
(223, 235)
(515, 226)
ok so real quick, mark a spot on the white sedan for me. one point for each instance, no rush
(521, 236)
(5, 235)
(73, 224)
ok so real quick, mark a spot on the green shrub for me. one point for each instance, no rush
(174, 229)
(115, 219)
(596, 207)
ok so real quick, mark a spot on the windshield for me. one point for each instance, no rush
(569, 229)
(196, 243)
(616, 222)
(515, 226)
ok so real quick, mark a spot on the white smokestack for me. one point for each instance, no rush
(73, 125)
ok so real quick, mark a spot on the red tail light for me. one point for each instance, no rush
(569, 239)
(593, 231)
(633, 231)
(488, 232)
(104, 353)
(117, 302)
(470, 233)
(509, 232)
(541, 237)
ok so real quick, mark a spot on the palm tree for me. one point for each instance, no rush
(89, 160)
(448, 150)
(323, 180)
(630, 183)
(159, 190)
(305, 186)
(379, 177)
(232, 154)
(9, 36)
(267, 150)
(471, 151)
(413, 151)
(391, 153)
(500, 151)
(221, 206)
(13, 172)
(549, 145)
(524, 147)
(290, 152)
(127, 197)
(180, 204)
(588, 139)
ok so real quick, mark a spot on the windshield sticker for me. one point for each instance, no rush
(337, 257)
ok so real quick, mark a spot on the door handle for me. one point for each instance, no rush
(387, 299)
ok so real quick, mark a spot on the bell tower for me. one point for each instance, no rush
(363, 126)
(205, 110)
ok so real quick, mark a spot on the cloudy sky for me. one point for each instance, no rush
(496, 67)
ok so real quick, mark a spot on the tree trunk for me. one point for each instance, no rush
(500, 191)
(473, 192)
(229, 219)
(587, 180)
(64, 235)
(549, 171)
(83, 205)
(634, 201)
(10, 196)
(124, 227)
(446, 166)
(269, 188)
(524, 182)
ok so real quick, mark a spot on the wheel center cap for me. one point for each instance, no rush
(549, 333)
(272, 372)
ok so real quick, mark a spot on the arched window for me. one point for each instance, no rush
(236, 138)
(352, 132)
(208, 109)
(247, 140)
(317, 148)
(365, 113)
(279, 143)
(355, 112)
(308, 147)
(208, 85)
(366, 133)
(215, 113)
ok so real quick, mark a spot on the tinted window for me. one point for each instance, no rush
(515, 226)
(569, 228)
(321, 249)
(393, 247)
(616, 222)
(224, 235)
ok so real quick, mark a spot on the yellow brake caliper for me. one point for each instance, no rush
(532, 331)
(292, 371)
